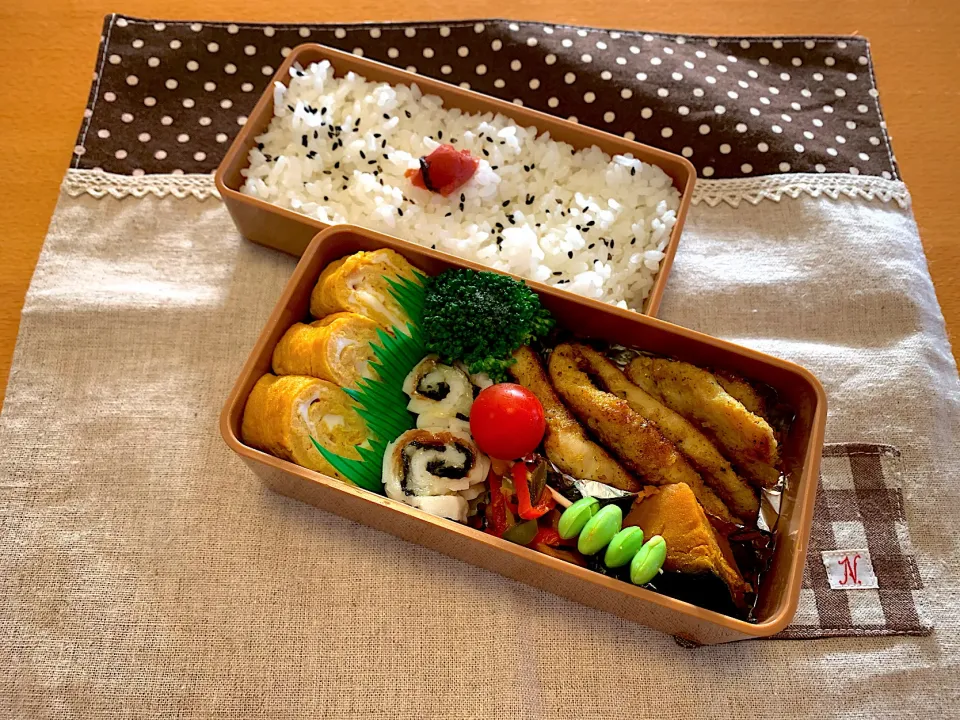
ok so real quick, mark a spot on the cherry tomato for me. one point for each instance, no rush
(507, 421)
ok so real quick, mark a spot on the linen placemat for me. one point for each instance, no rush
(149, 573)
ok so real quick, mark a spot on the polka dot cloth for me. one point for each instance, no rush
(170, 96)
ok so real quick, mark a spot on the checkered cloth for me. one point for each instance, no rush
(860, 506)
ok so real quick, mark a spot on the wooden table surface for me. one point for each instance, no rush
(51, 45)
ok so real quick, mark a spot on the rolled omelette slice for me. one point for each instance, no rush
(283, 412)
(358, 283)
(335, 348)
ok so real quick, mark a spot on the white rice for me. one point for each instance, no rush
(583, 221)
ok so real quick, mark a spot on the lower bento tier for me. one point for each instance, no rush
(459, 395)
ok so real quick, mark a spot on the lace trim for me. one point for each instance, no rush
(708, 192)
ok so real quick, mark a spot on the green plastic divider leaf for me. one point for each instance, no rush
(381, 402)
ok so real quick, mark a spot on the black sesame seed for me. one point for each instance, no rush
(505, 203)
(591, 223)
(633, 241)
(633, 171)
(448, 214)
(591, 246)
(376, 135)
(316, 134)
(363, 155)
(557, 272)
(259, 146)
(290, 107)
(462, 197)
(407, 113)
(570, 254)
(485, 152)
(612, 243)
(400, 212)
(579, 228)
(439, 134)
(526, 168)
(461, 207)
(386, 116)
(326, 199)
(337, 164)
(323, 110)
(303, 140)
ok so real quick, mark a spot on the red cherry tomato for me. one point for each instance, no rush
(507, 421)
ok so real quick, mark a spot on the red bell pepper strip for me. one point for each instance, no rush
(548, 536)
(498, 511)
(525, 507)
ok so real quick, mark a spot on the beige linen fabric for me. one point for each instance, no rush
(145, 572)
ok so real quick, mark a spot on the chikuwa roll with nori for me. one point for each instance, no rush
(438, 471)
(438, 390)
(335, 348)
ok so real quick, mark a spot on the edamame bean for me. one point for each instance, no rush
(648, 561)
(576, 516)
(599, 530)
(623, 547)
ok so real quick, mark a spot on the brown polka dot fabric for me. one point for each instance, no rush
(170, 96)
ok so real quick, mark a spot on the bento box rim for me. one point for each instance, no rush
(807, 474)
(520, 115)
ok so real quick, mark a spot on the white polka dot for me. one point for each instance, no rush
(444, 31)
(159, 27)
(188, 102)
(393, 53)
(851, 77)
(808, 135)
(832, 151)
(809, 44)
(183, 137)
(358, 51)
(862, 60)
(199, 156)
(655, 61)
(677, 76)
(226, 103)
(634, 49)
(479, 28)
(569, 78)
(786, 118)
(586, 57)
(711, 79)
(446, 69)
(515, 65)
(746, 168)
(886, 175)
(773, 91)
(229, 68)
(175, 44)
(687, 151)
(854, 171)
(646, 113)
(567, 42)
(722, 68)
(606, 75)
(785, 76)
(784, 167)
(242, 120)
(127, 117)
(213, 47)
(340, 33)
(149, 101)
(745, 44)
(481, 69)
(176, 171)
(109, 96)
(499, 83)
(828, 108)
(806, 93)
(819, 167)
(531, 42)
(266, 70)
(762, 147)
(193, 65)
(743, 84)
(79, 149)
(233, 29)
(305, 32)
(863, 156)
(704, 129)
(222, 137)
(829, 61)
(552, 102)
(777, 44)
(753, 74)
(668, 51)
(534, 84)
(666, 132)
(719, 109)
(411, 69)
(680, 39)
(648, 37)
(707, 171)
(247, 87)
(610, 117)
(120, 154)
(249, 50)
(589, 97)
(160, 154)
(683, 110)
(795, 106)
(755, 112)
(166, 120)
(688, 65)
(862, 108)
(630, 135)
(763, 61)
(662, 92)
(573, 118)
(204, 121)
(765, 101)
(428, 52)
(121, 22)
(698, 92)
(103, 134)
(712, 42)
(409, 32)
(817, 122)
(626, 93)
(741, 127)
(601, 45)
(550, 59)
(463, 51)
(581, 33)
(725, 149)
(798, 147)
(143, 137)
(87, 113)
(114, 59)
(642, 77)
(777, 129)
(874, 140)
(465, 85)
(840, 92)
(196, 27)
(818, 76)
(701, 54)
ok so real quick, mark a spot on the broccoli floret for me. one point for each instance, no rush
(480, 318)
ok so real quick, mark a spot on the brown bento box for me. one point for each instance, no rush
(290, 232)
(797, 387)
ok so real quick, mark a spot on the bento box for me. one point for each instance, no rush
(778, 594)
(274, 226)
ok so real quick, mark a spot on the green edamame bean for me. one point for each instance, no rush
(623, 547)
(599, 530)
(576, 516)
(648, 561)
